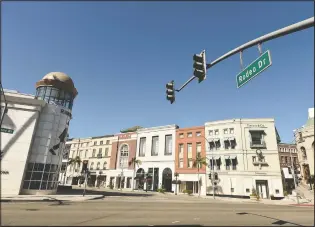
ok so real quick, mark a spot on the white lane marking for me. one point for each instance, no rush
(175, 222)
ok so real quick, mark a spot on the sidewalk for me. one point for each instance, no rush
(49, 198)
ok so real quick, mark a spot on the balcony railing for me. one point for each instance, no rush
(260, 163)
(258, 145)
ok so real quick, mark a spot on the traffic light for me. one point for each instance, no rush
(200, 66)
(170, 91)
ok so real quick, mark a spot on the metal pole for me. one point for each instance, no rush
(212, 170)
(85, 180)
(293, 174)
(273, 35)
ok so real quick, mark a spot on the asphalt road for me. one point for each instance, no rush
(152, 211)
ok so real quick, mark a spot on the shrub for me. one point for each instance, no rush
(189, 192)
(161, 190)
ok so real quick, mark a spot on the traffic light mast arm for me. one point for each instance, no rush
(273, 35)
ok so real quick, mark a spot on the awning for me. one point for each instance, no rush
(232, 156)
(227, 156)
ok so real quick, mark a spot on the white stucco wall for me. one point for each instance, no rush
(246, 171)
(160, 161)
(22, 116)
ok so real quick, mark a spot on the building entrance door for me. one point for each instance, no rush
(262, 189)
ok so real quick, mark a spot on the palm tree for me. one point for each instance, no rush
(199, 162)
(134, 162)
(76, 161)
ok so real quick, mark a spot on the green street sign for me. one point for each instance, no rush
(259, 65)
(6, 130)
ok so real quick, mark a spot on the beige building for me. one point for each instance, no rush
(245, 156)
(304, 138)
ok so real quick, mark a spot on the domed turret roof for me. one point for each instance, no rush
(59, 80)
(59, 76)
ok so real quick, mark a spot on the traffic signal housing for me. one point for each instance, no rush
(200, 66)
(170, 92)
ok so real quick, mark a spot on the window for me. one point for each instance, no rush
(93, 153)
(212, 145)
(198, 147)
(216, 132)
(257, 137)
(282, 159)
(106, 152)
(217, 145)
(198, 134)
(168, 145)
(210, 133)
(124, 154)
(155, 146)
(277, 191)
(225, 131)
(254, 158)
(217, 164)
(189, 155)
(234, 163)
(104, 165)
(92, 166)
(285, 159)
(294, 160)
(85, 154)
(142, 146)
(181, 156)
(95, 142)
(98, 166)
(226, 144)
(101, 142)
(233, 143)
(211, 164)
(181, 135)
(107, 142)
(227, 164)
(247, 190)
(303, 153)
(231, 130)
(189, 134)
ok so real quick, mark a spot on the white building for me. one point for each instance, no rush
(156, 151)
(304, 138)
(33, 132)
(245, 155)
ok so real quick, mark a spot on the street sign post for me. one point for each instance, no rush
(256, 67)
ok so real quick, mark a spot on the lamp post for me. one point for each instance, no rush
(176, 175)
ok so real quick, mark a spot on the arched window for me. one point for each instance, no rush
(124, 154)
(104, 165)
(303, 153)
(91, 166)
(98, 165)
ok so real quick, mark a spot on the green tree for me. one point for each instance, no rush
(133, 163)
(199, 162)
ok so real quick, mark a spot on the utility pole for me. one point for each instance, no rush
(270, 36)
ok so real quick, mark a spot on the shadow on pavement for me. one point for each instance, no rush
(277, 221)
(76, 191)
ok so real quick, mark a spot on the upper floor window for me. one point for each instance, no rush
(142, 146)
(225, 131)
(155, 146)
(124, 155)
(85, 154)
(95, 142)
(181, 155)
(198, 134)
(304, 156)
(106, 152)
(189, 155)
(107, 142)
(231, 130)
(198, 147)
(210, 132)
(181, 135)
(168, 144)
(101, 142)
(93, 153)
(189, 134)
(98, 166)
(92, 166)
(104, 165)
(216, 132)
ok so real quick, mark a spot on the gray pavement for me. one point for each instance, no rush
(151, 211)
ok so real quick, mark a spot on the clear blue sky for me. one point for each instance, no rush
(121, 54)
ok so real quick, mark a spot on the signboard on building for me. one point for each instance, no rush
(7, 130)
